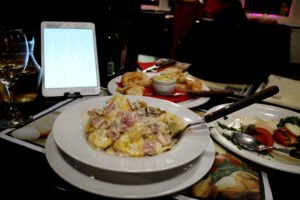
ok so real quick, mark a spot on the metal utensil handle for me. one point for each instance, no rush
(292, 152)
(295, 153)
(270, 91)
(159, 65)
(192, 124)
(154, 67)
(166, 62)
(210, 93)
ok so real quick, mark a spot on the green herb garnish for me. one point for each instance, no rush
(223, 126)
(229, 137)
(292, 120)
(249, 129)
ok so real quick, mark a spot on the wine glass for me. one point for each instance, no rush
(14, 55)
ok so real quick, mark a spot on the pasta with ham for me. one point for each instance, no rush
(132, 129)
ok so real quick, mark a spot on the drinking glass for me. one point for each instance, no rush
(14, 55)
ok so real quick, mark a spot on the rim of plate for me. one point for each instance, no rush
(68, 132)
(271, 112)
(190, 103)
(178, 180)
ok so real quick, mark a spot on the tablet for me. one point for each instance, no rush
(69, 59)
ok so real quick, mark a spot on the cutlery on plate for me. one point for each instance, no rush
(204, 93)
(162, 63)
(253, 144)
(211, 93)
(242, 103)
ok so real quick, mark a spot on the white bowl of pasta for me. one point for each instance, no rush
(132, 134)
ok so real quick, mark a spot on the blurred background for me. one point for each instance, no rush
(250, 38)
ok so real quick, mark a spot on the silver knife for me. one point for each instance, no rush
(204, 93)
(160, 64)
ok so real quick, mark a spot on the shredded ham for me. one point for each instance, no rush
(128, 118)
(149, 147)
(112, 134)
(155, 128)
(96, 121)
(121, 128)
(110, 107)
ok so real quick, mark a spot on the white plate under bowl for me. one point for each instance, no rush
(128, 185)
(279, 161)
(68, 132)
(190, 103)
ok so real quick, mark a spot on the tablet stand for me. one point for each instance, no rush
(72, 95)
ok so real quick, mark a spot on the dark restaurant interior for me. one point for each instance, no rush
(225, 41)
(184, 31)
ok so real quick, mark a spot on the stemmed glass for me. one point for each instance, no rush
(14, 55)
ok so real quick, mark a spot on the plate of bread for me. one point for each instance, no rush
(139, 83)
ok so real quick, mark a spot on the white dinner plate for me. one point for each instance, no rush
(128, 185)
(190, 103)
(279, 161)
(68, 131)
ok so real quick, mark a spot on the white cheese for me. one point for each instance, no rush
(293, 128)
(268, 125)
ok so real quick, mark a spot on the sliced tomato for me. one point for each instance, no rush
(284, 137)
(264, 136)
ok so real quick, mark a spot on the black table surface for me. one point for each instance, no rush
(25, 173)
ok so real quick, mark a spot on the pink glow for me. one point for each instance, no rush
(256, 14)
(275, 16)
(261, 15)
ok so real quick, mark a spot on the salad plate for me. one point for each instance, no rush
(276, 160)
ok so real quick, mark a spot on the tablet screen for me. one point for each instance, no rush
(69, 58)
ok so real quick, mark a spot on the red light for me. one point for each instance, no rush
(286, 9)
